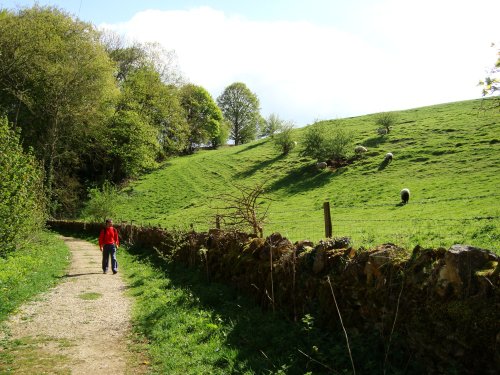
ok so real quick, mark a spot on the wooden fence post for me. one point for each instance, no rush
(217, 221)
(328, 220)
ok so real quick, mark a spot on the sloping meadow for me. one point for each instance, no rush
(447, 155)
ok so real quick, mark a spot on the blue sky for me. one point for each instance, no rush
(315, 59)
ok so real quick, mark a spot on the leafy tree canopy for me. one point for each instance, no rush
(56, 85)
(221, 138)
(203, 115)
(130, 57)
(159, 105)
(240, 108)
(273, 124)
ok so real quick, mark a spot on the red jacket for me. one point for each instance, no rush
(108, 236)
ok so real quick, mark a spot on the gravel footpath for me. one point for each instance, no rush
(96, 331)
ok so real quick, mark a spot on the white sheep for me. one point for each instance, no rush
(360, 150)
(405, 195)
(321, 165)
(388, 157)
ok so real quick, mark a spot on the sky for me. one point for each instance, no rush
(309, 60)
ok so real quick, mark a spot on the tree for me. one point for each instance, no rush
(387, 120)
(22, 203)
(202, 113)
(240, 108)
(324, 142)
(130, 57)
(245, 208)
(221, 138)
(56, 85)
(158, 105)
(491, 84)
(165, 63)
(127, 59)
(271, 125)
(133, 145)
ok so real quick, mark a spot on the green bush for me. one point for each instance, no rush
(22, 201)
(324, 141)
(102, 203)
(387, 120)
(221, 138)
(283, 140)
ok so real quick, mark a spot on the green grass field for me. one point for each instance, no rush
(447, 155)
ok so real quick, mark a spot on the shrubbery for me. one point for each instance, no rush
(283, 138)
(222, 136)
(22, 202)
(387, 120)
(102, 203)
(324, 141)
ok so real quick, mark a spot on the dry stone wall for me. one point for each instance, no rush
(444, 303)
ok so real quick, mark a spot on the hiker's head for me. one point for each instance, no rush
(109, 222)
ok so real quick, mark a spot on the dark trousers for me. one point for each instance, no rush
(107, 251)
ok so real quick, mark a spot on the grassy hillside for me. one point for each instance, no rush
(447, 155)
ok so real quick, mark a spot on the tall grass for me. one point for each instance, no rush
(447, 155)
(31, 270)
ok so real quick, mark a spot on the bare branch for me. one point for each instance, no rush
(241, 209)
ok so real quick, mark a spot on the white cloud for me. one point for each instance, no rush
(403, 56)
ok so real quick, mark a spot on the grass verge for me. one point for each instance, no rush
(23, 275)
(31, 270)
(195, 327)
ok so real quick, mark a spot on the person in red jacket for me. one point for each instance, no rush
(109, 243)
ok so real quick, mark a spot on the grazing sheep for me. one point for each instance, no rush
(382, 131)
(388, 157)
(360, 150)
(405, 195)
(321, 165)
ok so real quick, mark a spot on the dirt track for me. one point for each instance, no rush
(82, 325)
